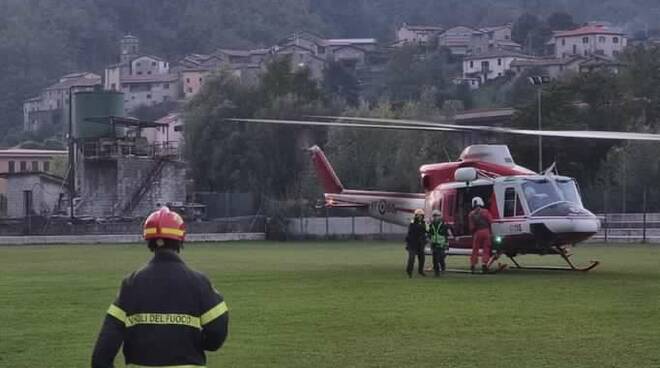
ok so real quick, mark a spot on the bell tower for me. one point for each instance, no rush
(129, 48)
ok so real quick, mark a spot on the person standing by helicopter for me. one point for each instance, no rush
(480, 222)
(438, 233)
(415, 242)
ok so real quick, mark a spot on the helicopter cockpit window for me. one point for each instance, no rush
(540, 194)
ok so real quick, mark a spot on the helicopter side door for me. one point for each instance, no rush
(513, 215)
(461, 210)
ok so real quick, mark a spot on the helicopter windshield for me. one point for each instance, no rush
(569, 190)
(540, 193)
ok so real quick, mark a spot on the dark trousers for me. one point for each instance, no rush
(412, 253)
(439, 256)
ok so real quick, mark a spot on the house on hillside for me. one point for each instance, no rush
(591, 39)
(490, 65)
(50, 107)
(416, 35)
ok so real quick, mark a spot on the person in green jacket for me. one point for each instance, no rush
(438, 233)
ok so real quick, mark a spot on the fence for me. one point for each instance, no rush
(629, 228)
(615, 228)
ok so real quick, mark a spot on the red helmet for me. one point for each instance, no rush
(164, 224)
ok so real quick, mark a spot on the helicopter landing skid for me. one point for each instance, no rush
(565, 256)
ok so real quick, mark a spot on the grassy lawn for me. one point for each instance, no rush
(349, 304)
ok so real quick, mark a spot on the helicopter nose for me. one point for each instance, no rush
(565, 229)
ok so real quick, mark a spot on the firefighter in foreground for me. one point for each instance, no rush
(165, 313)
(438, 233)
(415, 242)
(480, 222)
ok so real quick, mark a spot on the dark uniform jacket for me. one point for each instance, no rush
(416, 237)
(165, 315)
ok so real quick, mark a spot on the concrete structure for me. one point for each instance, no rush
(50, 108)
(145, 80)
(128, 186)
(591, 39)
(416, 35)
(33, 193)
(23, 161)
(490, 65)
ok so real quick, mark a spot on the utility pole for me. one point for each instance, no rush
(538, 81)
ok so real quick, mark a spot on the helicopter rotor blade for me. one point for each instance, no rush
(593, 134)
(342, 124)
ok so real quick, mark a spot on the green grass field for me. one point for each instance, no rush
(349, 304)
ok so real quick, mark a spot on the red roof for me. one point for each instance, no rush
(588, 30)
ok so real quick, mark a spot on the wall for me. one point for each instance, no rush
(146, 65)
(192, 82)
(45, 195)
(343, 227)
(149, 93)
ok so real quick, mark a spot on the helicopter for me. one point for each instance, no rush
(534, 213)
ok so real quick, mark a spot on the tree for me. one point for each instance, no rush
(531, 33)
(560, 21)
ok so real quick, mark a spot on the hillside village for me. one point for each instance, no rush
(487, 54)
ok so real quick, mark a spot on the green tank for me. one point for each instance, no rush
(97, 104)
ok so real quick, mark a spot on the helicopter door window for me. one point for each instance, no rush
(512, 205)
(509, 202)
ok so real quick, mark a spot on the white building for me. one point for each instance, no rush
(416, 35)
(145, 80)
(592, 39)
(491, 64)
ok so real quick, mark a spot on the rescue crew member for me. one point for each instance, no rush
(438, 233)
(165, 314)
(415, 242)
(480, 221)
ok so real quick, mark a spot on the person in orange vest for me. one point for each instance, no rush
(165, 314)
(480, 223)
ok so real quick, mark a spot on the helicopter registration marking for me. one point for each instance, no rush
(515, 228)
(382, 207)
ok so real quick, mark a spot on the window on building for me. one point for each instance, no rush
(200, 79)
(138, 64)
(187, 80)
(601, 39)
(153, 63)
(189, 89)
(46, 166)
(586, 53)
(139, 73)
(585, 39)
(615, 39)
(35, 166)
(166, 86)
(149, 72)
(471, 64)
(615, 53)
(132, 97)
(23, 166)
(563, 42)
(12, 166)
(113, 86)
(574, 49)
(148, 96)
(499, 61)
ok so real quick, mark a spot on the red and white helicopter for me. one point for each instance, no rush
(534, 213)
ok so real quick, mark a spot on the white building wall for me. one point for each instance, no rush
(583, 45)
